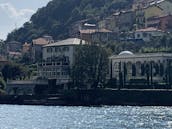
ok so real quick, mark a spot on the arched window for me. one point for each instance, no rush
(157, 69)
(142, 69)
(133, 70)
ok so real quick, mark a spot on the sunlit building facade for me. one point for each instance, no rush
(151, 70)
(58, 59)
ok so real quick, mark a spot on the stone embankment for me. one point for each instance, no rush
(97, 97)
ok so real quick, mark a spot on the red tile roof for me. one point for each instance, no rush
(40, 41)
(148, 29)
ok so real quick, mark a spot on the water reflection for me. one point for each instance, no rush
(117, 117)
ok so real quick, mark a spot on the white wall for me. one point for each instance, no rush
(69, 53)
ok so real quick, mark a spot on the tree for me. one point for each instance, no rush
(90, 67)
(2, 83)
(26, 59)
(13, 71)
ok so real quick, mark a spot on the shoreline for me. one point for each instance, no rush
(95, 97)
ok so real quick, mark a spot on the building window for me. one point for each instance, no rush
(133, 70)
(142, 69)
(49, 49)
(53, 73)
(66, 60)
(145, 35)
(65, 48)
(138, 35)
(65, 73)
(57, 49)
(58, 73)
(58, 63)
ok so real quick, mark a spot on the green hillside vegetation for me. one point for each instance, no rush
(56, 18)
(159, 44)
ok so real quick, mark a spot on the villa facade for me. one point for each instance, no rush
(152, 69)
(58, 59)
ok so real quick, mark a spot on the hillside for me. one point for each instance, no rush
(56, 18)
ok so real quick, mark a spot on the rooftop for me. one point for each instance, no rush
(90, 31)
(15, 53)
(161, 16)
(157, 2)
(40, 41)
(70, 41)
(91, 25)
(13, 42)
(125, 53)
(148, 29)
(122, 12)
(142, 55)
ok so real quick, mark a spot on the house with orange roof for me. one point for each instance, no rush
(96, 35)
(163, 22)
(37, 45)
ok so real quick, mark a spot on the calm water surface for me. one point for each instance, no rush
(117, 117)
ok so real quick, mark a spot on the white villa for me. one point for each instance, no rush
(58, 59)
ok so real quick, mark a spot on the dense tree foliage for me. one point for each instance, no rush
(2, 83)
(56, 18)
(90, 67)
(14, 71)
(159, 44)
(26, 59)
(2, 47)
(156, 44)
(117, 47)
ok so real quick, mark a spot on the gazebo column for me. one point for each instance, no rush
(147, 73)
(138, 69)
(151, 74)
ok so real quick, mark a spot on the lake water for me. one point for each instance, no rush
(117, 117)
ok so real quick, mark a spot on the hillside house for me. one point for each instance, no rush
(154, 9)
(82, 24)
(141, 3)
(119, 21)
(13, 46)
(162, 22)
(96, 35)
(37, 45)
(13, 49)
(109, 23)
(148, 33)
(125, 20)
